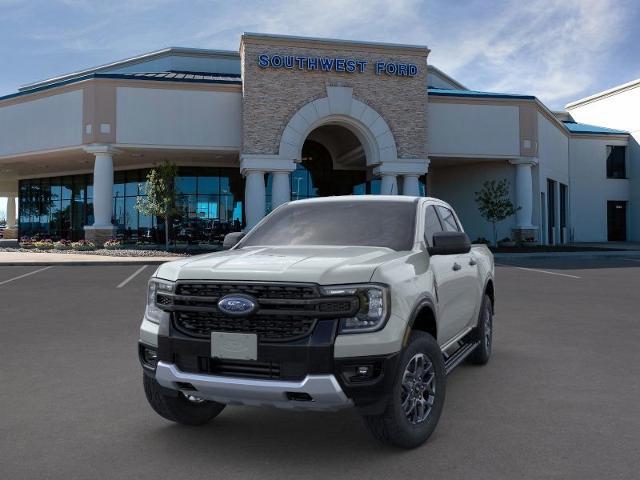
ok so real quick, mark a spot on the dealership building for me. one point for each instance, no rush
(288, 118)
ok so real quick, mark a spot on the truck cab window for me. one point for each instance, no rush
(449, 222)
(431, 225)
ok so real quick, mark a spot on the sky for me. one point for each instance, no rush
(558, 50)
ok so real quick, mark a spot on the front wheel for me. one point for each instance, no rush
(180, 408)
(417, 398)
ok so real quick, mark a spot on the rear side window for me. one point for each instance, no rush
(449, 223)
(431, 224)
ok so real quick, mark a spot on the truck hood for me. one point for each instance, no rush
(322, 265)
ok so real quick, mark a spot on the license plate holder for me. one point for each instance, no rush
(234, 346)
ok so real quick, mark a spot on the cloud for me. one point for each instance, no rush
(558, 50)
(551, 49)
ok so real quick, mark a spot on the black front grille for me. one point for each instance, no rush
(239, 368)
(259, 291)
(271, 328)
(285, 312)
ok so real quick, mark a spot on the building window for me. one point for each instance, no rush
(209, 204)
(616, 161)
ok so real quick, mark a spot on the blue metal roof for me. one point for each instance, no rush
(575, 127)
(188, 77)
(444, 92)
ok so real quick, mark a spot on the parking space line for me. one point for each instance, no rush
(25, 275)
(547, 272)
(131, 277)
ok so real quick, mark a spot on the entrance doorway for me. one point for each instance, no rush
(333, 162)
(617, 221)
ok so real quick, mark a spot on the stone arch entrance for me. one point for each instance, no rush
(340, 108)
(317, 126)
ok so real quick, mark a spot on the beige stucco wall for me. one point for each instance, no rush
(272, 96)
(178, 117)
(49, 122)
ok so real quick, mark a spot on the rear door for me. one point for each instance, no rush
(456, 276)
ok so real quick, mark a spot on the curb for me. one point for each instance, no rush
(592, 254)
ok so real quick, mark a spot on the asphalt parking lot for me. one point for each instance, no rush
(559, 399)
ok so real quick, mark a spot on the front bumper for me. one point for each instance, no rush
(314, 392)
(301, 374)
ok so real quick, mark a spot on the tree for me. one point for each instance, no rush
(160, 193)
(494, 203)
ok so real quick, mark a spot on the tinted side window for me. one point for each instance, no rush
(449, 223)
(431, 225)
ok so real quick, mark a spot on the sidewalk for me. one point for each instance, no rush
(33, 258)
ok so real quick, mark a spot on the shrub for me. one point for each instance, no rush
(482, 240)
(83, 245)
(62, 245)
(26, 242)
(112, 244)
(43, 244)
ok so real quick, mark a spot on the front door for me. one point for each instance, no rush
(617, 221)
(456, 278)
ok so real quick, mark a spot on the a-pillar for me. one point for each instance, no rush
(102, 228)
(524, 229)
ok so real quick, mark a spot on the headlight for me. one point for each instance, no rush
(373, 311)
(153, 312)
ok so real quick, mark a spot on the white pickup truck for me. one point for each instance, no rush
(354, 301)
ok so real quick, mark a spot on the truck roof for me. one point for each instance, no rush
(360, 198)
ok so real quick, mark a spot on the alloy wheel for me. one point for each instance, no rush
(418, 390)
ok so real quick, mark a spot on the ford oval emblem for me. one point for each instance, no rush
(237, 305)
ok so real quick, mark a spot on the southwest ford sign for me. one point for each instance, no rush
(331, 64)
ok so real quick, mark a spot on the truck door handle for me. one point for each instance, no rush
(472, 262)
(456, 266)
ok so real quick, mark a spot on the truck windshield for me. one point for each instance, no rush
(350, 223)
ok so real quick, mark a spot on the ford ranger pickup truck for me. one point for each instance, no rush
(328, 303)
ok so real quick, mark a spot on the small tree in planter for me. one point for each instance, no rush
(494, 203)
(160, 193)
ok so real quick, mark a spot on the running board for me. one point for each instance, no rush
(458, 356)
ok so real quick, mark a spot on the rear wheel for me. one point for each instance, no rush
(180, 408)
(484, 334)
(418, 396)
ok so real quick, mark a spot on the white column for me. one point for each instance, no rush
(389, 185)
(11, 211)
(103, 189)
(524, 192)
(254, 197)
(411, 185)
(280, 189)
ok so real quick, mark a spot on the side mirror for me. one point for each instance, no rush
(449, 243)
(231, 239)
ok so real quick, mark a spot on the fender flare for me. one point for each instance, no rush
(423, 301)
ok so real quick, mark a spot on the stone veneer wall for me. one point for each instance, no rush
(271, 96)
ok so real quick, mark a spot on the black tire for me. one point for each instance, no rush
(484, 333)
(393, 427)
(178, 408)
